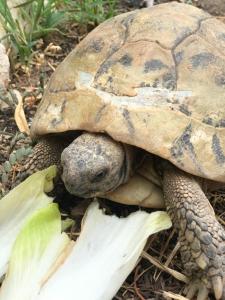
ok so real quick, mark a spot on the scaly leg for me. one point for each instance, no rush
(45, 153)
(201, 236)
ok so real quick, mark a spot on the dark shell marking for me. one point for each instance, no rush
(97, 45)
(217, 150)
(184, 145)
(154, 65)
(202, 60)
(128, 120)
(126, 60)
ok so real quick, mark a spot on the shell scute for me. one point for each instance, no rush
(90, 54)
(202, 71)
(151, 63)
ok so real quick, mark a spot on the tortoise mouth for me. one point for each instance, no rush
(88, 193)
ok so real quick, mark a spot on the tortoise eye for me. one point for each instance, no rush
(100, 175)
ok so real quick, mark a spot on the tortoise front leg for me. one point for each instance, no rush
(201, 236)
(45, 153)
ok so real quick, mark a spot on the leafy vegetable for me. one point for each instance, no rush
(46, 265)
(18, 205)
(37, 247)
(103, 256)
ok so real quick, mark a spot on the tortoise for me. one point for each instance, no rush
(149, 82)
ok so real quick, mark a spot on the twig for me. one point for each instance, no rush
(6, 133)
(135, 285)
(159, 265)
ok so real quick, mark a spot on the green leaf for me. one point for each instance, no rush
(12, 158)
(7, 166)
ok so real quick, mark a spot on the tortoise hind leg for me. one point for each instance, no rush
(201, 236)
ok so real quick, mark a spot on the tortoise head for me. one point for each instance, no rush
(94, 164)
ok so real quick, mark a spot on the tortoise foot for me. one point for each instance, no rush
(203, 284)
(201, 236)
(200, 289)
(203, 257)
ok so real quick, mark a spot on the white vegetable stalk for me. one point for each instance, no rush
(18, 205)
(103, 256)
(46, 265)
(39, 244)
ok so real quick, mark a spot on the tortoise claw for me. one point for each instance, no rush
(197, 288)
(201, 290)
(192, 290)
(217, 284)
(203, 293)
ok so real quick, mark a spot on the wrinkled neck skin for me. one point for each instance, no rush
(95, 164)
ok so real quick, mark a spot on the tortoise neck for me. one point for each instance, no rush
(132, 160)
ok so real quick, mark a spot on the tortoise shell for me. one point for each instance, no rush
(153, 78)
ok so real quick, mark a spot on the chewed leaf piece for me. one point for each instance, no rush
(103, 256)
(18, 205)
(37, 247)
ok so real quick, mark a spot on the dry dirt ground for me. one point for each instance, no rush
(148, 280)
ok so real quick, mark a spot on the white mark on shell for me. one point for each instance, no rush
(85, 80)
(145, 96)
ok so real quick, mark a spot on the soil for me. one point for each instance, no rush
(146, 281)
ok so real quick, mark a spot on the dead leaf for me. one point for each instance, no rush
(52, 49)
(19, 115)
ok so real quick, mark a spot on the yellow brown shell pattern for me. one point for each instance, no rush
(153, 78)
